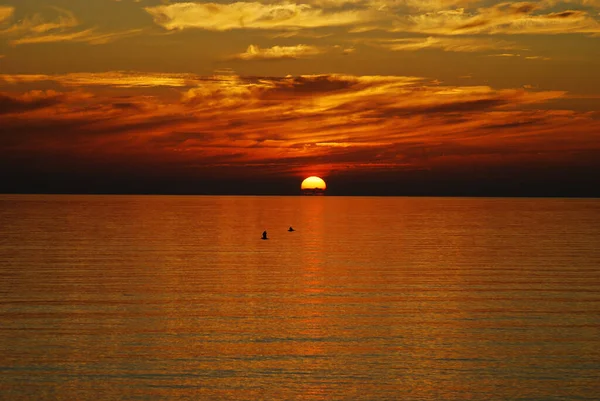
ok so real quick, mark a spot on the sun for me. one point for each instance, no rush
(313, 183)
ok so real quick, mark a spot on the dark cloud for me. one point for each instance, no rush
(523, 8)
(127, 106)
(179, 138)
(460, 106)
(253, 130)
(473, 24)
(516, 124)
(17, 104)
(313, 84)
(567, 14)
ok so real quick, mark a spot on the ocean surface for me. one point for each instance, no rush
(178, 298)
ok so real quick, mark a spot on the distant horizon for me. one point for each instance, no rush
(500, 183)
(302, 196)
(415, 195)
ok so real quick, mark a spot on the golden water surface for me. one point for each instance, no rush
(160, 297)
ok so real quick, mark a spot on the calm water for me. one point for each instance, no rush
(156, 297)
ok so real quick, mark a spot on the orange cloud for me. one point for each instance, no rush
(394, 5)
(430, 17)
(117, 79)
(310, 95)
(503, 18)
(254, 52)
(251, 15)
(537, 58)
(281, 125)
(60, 28)
(588, 3)
(28, 101)
(6, 12)
(449, 44)
(38, 24)
(88, 36)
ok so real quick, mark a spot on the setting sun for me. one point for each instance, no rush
(313, 183)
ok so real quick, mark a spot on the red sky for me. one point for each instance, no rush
(455, 97)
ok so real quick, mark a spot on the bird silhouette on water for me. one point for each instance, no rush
(264, 236)
(291, 229)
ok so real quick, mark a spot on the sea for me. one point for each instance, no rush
(370, 298)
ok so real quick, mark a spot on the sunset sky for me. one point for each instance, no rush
(382, 97)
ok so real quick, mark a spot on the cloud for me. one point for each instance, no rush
(29, 101)
(117, 79)
(254, 52)
(305, 94)
(449, 44)
(537, 58)
(59, 28)
(504, 55)
(39, 24)
(6, 12)
(395, 5)
(346, 50)
(251, 15)
(503, 18)
(586, 3)
(278, 125)
(226, 94)
(87, 36)
(434, 5)
(430, 17)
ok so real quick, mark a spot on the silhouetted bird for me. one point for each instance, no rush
(264, 235)
(291, 229)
